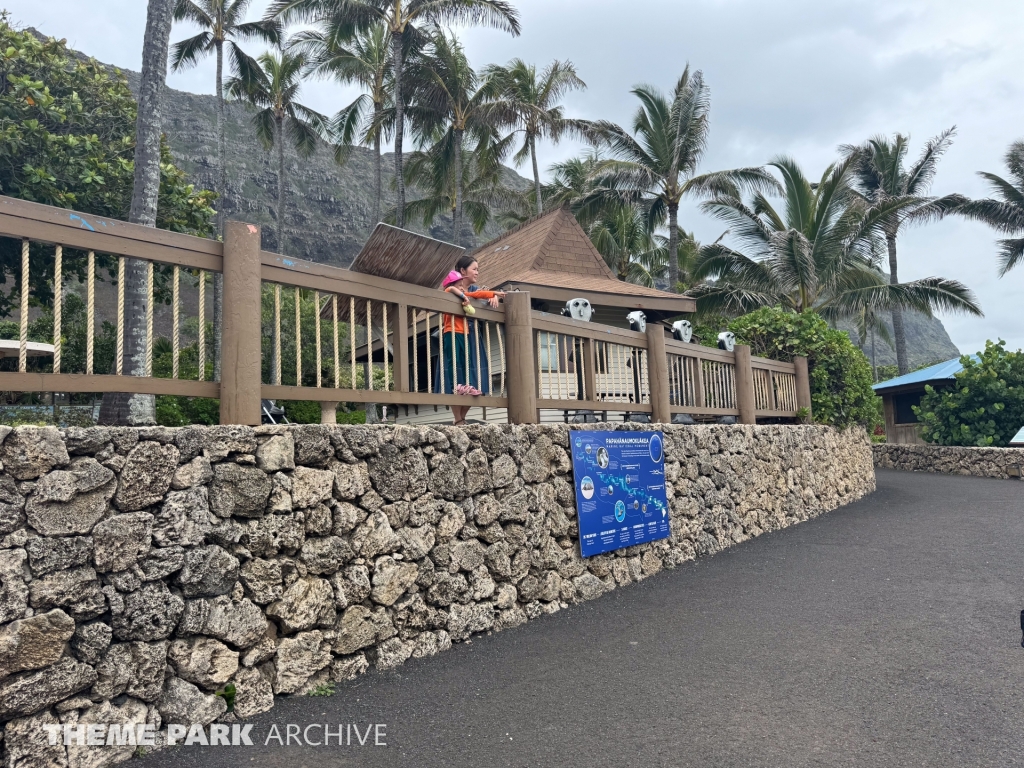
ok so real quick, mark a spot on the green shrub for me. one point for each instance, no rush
(308, 412)
(840, 374)
(985, 407)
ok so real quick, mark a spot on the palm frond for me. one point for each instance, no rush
(497, 14)
(187, 10)
(925, 296)
(922, 173)
(1002, 216)
(187, 53)
(1011, 254)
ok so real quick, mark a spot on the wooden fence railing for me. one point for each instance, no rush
(297, 330)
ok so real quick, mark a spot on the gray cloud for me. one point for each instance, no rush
(793, 76)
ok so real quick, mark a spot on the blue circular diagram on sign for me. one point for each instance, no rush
(620, 511)
(656, 449)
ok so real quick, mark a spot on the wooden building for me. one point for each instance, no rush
(900, 395)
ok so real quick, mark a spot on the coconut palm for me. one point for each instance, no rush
(869, 325)
(821, 253)
(121, 408)
(451, 101)
(221, 22)
(528, 104)
(881, 176)
(482, 193)
(365, 60)
(658, 164)
(636, 254)
(1006, 212)
(401, 18)
(272, 86)
(571, 186)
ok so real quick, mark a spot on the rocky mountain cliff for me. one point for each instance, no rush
(329, 208)
(927, 341)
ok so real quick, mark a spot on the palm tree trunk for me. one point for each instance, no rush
(396, 48)
(457, 219)
(378, 182)
(673, 246)
(218, 277)
(279, 137)
(121, 408)
(536, 175)
(874, 366)
(899, 333)
(370, 409)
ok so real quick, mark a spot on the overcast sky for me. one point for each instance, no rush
(798, 77)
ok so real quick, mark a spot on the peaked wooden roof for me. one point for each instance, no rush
(550, 255)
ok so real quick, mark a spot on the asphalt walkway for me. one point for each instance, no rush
(885, 633)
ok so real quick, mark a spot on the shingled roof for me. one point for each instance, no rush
(551, 254)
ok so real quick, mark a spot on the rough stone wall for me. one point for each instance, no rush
(1004, 463)
(144, 569)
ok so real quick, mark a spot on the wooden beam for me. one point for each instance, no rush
(329, 394)
(80, 382)
(673, 305)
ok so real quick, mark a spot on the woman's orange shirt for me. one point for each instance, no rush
(457, 323)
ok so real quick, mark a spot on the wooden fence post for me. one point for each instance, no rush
(520, 361)
(744, 385)
(657, 374)
(240, 346)
(803, 386)
(589, 363)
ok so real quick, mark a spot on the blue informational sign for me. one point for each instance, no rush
(1018, 440)
(620, 489)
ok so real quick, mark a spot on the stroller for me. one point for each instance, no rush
(273, 413)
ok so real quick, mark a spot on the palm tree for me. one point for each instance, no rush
(528, 104)
(482, 193)
(364, 60)
(869, 325)
(221, 24)
(272, 86)
(449, 101)
(400, 17)
(658, 164)
(1006, 214)
(881, 176)
(820, 254)
(636, 254)
(120, 408)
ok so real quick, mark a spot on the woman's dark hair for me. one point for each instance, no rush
(464, 262)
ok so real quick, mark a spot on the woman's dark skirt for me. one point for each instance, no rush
(452, 372)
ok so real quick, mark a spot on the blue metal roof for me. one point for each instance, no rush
(946, 370)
